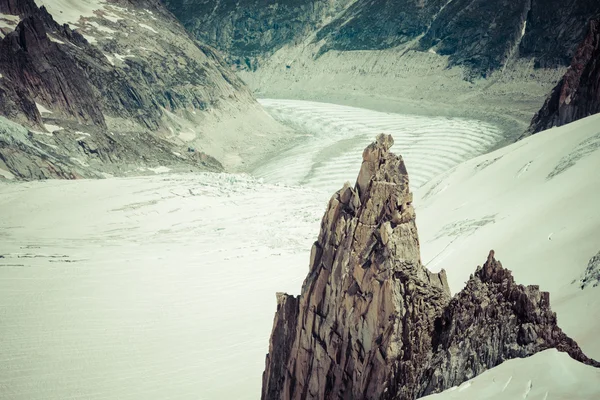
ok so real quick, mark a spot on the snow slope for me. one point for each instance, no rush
(546, 375)
(336, 135)
(536, 204)
(147, 288)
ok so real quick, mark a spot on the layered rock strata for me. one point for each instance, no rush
(373, 323)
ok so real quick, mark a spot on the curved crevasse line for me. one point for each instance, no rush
(334, 136)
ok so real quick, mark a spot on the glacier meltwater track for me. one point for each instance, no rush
(336, 135)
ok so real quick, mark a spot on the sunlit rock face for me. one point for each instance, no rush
(372, 322)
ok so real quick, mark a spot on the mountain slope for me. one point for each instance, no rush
(247, 31)
(577, 95)
(494, 61)
(534, 201)
(129, 76)
(480, 35)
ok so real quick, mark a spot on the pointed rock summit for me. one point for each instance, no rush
(373, 323)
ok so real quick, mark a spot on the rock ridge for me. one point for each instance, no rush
(373, 323)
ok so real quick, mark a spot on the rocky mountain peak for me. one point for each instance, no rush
(373, 323)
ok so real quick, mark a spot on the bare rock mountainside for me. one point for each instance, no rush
(480, 34)
(373, 323)
(577, 95)
(116, 87)
(488, 60)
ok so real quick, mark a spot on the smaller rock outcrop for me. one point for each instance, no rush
(373, 323)
(577, 95)
(591, 276)
(493, 319)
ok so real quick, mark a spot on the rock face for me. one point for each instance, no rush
(591, 276)
(478, 34)
(131, 78)
(577, 95)
(373, 323)
(248, 30)
(493, 319)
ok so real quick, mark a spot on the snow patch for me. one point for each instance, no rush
(52, 128)
(9, 21)
(160, 170)
(121, 57)
(55, 40)
(80, 162)
(70, 11)
(148, 28)
(111, 17)
(6, 174)
(100, 27)
(110, 59)
(42, 109)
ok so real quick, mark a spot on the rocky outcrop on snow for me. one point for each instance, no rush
(591, 276)
(129, 76)
(493, 319)
(577, 95)
(373, 323)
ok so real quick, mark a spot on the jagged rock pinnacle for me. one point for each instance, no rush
(373, 323)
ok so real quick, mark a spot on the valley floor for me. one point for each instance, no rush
(164, 286)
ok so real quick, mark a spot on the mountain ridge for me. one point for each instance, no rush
(127, 75)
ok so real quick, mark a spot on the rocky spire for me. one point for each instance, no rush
(373, 323)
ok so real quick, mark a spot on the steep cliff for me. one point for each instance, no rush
(250, 30)
(480, 35)
(129, 76)
(373, 323)
(577, 95)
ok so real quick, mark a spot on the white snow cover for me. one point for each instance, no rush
(148, 27)
(70, 11)
(337, 135)
(164, 286)
(536, 204)
(544, 376)
(52, 128)
(42, 109)
(146, 288)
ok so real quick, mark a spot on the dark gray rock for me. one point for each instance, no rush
(126, 106)
(577, 95)
(247, 30)
(591, 276)
(478, 34)
(493, 319)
